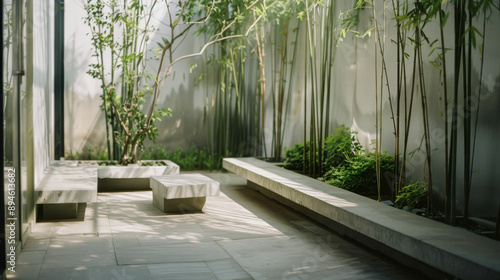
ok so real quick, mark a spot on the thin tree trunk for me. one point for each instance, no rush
(467, 120)
(446, 133)
(497, 227)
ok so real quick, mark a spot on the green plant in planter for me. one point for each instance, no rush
(340, 147)
(358, 174)
(413, 195)
(124, 77)
(294, 157)
(190, 159)
(123, 101)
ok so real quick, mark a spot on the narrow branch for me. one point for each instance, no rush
(115, 108)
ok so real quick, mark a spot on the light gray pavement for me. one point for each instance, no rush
(241, 235)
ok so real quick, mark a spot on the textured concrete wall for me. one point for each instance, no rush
(352, 104)
(42, 84)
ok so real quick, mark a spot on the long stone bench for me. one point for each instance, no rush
(63, 187)
(438, 249)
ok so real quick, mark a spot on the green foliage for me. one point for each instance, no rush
(95, 153)
(412, 195)
(358, 174)
(191, 159)
(294, 157)
(73, 155)
(337, 149)
(340, 147)
(121, 68)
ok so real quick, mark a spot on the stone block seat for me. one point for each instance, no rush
(183, 192)
(63, 186)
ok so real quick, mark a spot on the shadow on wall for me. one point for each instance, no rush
(485, 192)
(181, 93)
(185, 128)
(84, 122)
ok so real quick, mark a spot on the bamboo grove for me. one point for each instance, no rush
(282, 55)
(300, 39)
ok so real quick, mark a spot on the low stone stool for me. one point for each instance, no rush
(182, 193)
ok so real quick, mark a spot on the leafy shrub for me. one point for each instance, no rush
(358, 174)
(412, 195)
(95, 153)
(340, 147)
(294, 157)
(191, 159)
(345, 163)
(337, 149)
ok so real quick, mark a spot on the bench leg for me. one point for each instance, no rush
(180, 205)
(60, 211)
(158, 201)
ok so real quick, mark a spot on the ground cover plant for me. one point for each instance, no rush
(345, 164)
(190, 159)
(413, 195)
(359, 173)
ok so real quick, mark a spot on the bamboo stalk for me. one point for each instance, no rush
(476, 125)
(378, 136)
(459, 28)
(497, 226)
(292, 64)
(467, 120)
(446, 132)
(425, 114)
(306, 60)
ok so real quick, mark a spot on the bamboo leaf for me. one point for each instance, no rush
(192, 67)
(445, 18)
(432, 51)
(367, 32)
(435, 65)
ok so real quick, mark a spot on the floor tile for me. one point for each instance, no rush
(227, 269)
(241, 235)
(30, 257)
(181, 271)
(36, 244)
(92, 273)
(188, 252)
(25, 272)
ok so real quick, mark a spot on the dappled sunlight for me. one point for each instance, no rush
(223, 218)
(240, 228)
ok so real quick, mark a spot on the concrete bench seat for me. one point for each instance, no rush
(439, 250)
(182, 193)
(62, 188)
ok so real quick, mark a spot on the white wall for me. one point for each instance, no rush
(84, 122)
(41, 64)
(353, 102)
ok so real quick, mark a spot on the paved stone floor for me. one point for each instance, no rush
(241, 235)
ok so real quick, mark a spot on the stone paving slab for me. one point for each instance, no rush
(240, 232)
(100, 272)
(187, 252)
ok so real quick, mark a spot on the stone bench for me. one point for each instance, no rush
(62, 188)
(131, 177)
(182, 193)
(426, 245)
